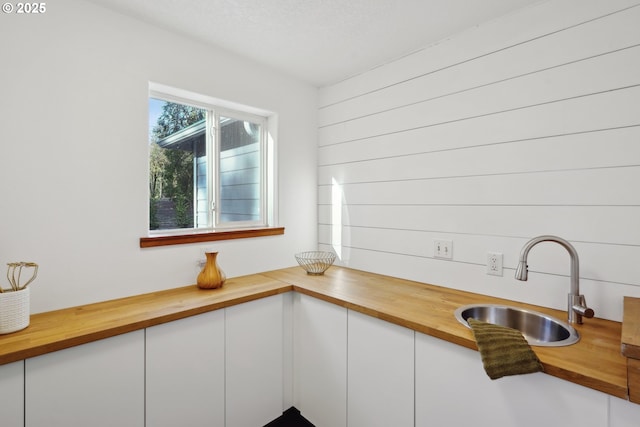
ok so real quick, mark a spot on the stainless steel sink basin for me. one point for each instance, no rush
(538, 329)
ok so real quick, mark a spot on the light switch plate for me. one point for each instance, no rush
(443, 249)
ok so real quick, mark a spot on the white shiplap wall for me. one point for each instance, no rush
(526, 125)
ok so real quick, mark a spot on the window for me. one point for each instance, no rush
(210, 164)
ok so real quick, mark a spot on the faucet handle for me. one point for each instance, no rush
(579, 306)
(584, 311)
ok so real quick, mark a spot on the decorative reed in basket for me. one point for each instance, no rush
(15, 301)
(14, 273)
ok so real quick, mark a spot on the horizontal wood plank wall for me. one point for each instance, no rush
(526, 125)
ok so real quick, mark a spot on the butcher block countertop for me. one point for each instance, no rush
(595, 361)
(631, 345)
(60, 329)
(631, 328)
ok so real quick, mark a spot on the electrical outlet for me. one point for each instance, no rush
(494, 263)
(443, 249)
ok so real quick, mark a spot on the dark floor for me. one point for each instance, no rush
(290, 418)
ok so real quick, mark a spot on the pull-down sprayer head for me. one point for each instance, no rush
(522, 271)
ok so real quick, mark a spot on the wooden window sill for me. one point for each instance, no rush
(181, 239)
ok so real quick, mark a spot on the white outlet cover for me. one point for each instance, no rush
(494, 263)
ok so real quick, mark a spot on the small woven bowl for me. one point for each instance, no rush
(315, 262)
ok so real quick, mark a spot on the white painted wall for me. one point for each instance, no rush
(73, 152)
(524, 126)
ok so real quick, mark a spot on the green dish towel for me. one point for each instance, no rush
(504, 351)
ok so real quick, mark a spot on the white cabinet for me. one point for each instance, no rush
(12, 394)
(222, 368)
(453, 389)
(236, 367)
(320, 361)
(185, 372)
(623, 413)
(96, 384)
(380, 373)
(254, 347)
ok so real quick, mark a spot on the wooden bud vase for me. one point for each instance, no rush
(211, 276)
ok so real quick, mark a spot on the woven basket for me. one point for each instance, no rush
(14, 311)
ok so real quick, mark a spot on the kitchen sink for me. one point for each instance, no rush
(538, 329)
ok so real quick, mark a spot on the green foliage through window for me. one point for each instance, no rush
(171, 168)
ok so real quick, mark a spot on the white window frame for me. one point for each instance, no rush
(268, 171)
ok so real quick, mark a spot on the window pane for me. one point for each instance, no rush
(178, 166)
(240, 170)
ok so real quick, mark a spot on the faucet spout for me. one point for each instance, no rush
(576, 308)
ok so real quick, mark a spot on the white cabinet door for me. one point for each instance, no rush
(320, 361)
(452, 388)
(12, 394)
(254, 362)
(624, 413)
(380, 373)
(96, 384)
(185, 372)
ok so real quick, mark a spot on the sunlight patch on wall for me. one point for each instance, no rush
(336, 217)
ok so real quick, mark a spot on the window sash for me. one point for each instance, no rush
(219, 222)
(215, 220)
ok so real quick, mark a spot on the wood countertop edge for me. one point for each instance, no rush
(630, 351)
(630, 345)
(174, 304)
(398, 320)
(42, 338)
(614, 384)
(596, 383)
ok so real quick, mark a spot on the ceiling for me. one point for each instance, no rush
(317, 41)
